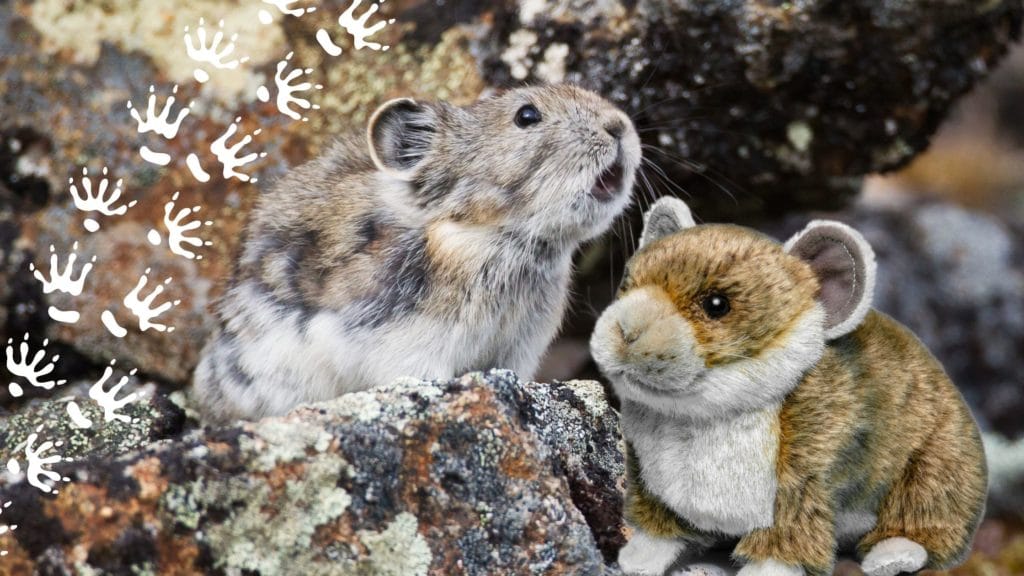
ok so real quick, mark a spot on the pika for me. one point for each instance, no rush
(764, 400)
(438, 242)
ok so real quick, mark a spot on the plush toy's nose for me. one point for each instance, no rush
(642, 338)
(640, 327)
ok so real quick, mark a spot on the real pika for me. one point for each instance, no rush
(439, 242)
(764, 400)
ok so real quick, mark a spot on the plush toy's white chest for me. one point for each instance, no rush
(720, 476)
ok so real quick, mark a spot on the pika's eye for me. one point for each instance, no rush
(715, 306)
(527, 116)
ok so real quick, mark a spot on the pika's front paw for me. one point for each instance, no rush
(770, 568)
(645, 555)
(893, 556)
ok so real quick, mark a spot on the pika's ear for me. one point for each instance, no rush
(400, 134)
(668, 216)
(845, 265)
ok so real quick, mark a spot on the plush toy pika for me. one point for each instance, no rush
(764, 400)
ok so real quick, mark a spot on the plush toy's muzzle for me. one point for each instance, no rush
(646, 348)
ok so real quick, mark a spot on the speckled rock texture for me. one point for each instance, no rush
(481, 475)
(782, 105)
(153, 417)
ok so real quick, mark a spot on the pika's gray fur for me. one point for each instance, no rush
(438, 243)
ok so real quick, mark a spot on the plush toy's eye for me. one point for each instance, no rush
(527, 116)
(715, 306)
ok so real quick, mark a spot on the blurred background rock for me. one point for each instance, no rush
(763, 113)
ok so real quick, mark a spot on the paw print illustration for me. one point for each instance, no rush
(142, 308)
(285, 7)
(38, 460)
(180, 225)
(63, 281)
(97, 199)
(107, 399)
(211, 53)
(33, 368)
(357, 27)
(287, 90)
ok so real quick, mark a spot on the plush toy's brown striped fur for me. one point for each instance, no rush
(875, 426)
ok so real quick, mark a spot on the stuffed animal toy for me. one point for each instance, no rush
(764, 400)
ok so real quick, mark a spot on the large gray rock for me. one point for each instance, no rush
(480, 475)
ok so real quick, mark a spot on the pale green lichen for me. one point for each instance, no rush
(251, 539)
(267, 531)
(103, 439)
(363, 406)
(276, 441)
(585, 12)
(592, 395)
(552, 68)
(521, 45)
(182, 503)
(80, 29)
(399, 550)
(361, 80)
(800, 135)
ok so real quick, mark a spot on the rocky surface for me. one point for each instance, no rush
(784, 105)
(153, 417)
(480, 475)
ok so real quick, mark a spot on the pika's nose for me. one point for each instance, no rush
(615, 127)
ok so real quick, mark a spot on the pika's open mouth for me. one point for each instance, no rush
(609, 183)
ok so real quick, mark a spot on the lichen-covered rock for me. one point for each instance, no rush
(471, 476)
(152, 417)
(956, 278)
(782, 104)
(575, 420)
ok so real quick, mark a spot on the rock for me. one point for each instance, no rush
(1006, 476)
(785, 105)
(471, 476)
(151, 418)
(782, 104)
(575, 420)
(956, 278)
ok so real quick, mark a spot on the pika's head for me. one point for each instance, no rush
(719, 319)
(556, 161)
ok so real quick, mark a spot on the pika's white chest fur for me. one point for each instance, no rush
(718, 475)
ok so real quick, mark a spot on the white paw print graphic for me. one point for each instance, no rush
(287, 90)
(33, 368)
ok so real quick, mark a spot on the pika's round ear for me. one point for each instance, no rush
(845, 265)
(400, 134)
(668, 216)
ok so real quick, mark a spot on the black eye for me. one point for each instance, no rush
(715, 306)
(527, 116)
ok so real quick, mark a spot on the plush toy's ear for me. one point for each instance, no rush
(845, 265)
(668, 216)
(400, 134)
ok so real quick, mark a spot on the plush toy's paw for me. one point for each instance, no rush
(893, 556)
(645, 555)
(770, 568)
